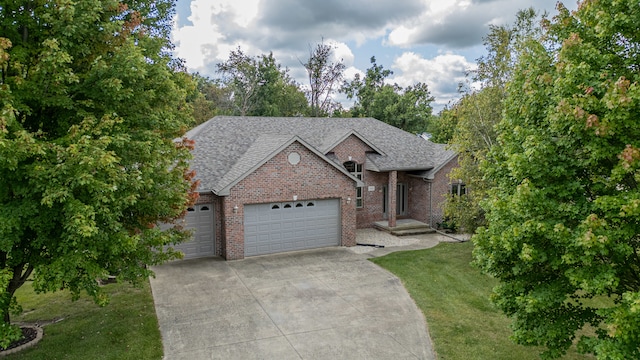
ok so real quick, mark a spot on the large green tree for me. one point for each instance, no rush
(208, 99)
(476, 114)
(90, 101)
(563, 234)
(408, 109)
(259, 86)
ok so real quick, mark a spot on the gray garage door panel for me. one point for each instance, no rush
(199, 218)
(299, 225)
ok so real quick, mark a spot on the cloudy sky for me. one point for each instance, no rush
(429, 41)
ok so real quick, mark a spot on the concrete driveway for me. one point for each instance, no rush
(320, 304)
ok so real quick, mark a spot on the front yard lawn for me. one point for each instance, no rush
(454, 297)
(127, 328)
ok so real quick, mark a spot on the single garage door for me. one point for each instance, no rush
(278, 227)
(200, 219)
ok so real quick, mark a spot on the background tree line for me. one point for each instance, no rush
(260, 86)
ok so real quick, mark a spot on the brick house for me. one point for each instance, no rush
(271, 185)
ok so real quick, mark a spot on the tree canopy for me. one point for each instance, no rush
(258, 86)
(469, 124)
(90, 102)
(408, 109)
(563, 235)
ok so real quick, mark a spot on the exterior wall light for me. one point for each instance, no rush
(348, 200)
(235, 209)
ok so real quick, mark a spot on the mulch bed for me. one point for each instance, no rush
(29, 334)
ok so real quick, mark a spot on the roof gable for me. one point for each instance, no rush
(262, 150)
(331, 142)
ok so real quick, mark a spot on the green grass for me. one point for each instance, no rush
(454, 297)
(127, 328)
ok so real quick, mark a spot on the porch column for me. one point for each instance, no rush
(391, 195)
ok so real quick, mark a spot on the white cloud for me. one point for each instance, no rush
(442, 74)
(382, 28)
(457, 24)
(205, 41)
(342, 52)
(350, 73)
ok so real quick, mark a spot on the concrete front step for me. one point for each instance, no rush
(414, 231)
(404, 227)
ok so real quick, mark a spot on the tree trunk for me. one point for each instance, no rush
(21, 273)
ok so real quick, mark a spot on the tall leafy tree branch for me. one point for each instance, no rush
(325, 78)
(90, 102)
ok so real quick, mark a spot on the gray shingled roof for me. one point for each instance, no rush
(228, 147)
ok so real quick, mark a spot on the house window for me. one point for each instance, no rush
(385, 199)
(356, 170)
(402, 199)
(458, 189)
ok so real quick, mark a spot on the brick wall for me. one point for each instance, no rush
(372, 200)
(278, 181)
(418, 199)
(440, 191)
(371, 211)
(354, 147)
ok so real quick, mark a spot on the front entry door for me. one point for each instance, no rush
(402, 199)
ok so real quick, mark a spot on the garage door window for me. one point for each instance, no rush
(300, 204)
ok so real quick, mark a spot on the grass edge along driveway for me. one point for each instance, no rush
(454, 297)
(127, 328)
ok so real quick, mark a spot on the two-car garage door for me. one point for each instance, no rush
(287, 226)
(269, 228)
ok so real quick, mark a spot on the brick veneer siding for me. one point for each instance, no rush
(355, 148)
(440, 190)
(372, 210)
(277, 181)
(418, 199)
